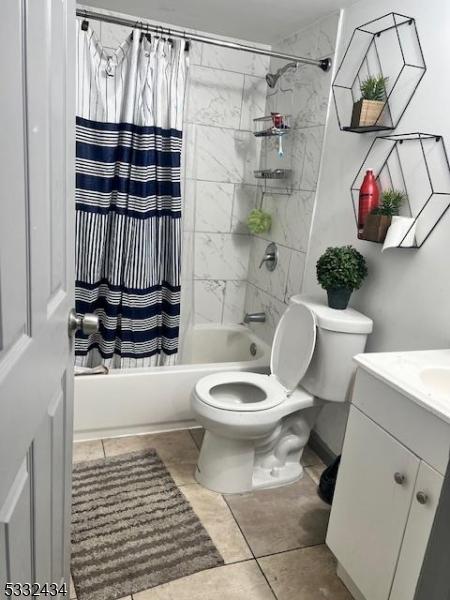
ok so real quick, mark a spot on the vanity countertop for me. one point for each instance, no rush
(423, 376)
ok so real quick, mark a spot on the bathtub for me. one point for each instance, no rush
(132, 401)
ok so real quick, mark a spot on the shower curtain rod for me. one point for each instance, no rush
(324, 64)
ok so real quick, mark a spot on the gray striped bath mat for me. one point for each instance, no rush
(132, 528)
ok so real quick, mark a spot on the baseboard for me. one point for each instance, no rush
(95, 434)
(322, 450)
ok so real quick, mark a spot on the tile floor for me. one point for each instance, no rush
(272, 541)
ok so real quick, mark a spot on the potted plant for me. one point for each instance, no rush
(341, 270)
(367, 111)
(379, 220)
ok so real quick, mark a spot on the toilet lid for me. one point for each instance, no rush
(293, 345)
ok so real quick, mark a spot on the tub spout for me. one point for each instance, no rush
(259, 317)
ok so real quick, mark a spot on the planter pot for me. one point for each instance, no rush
(375, 228)
(339, 297)
(367, 113)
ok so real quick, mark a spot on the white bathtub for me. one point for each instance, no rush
(131, 401)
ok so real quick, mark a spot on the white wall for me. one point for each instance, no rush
(291, 214)
(407, 292)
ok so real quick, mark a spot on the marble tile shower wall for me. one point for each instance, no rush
(226, 91)
(291, 214)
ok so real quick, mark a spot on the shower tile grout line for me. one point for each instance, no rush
(242, 104)
(248, 184)
(284, 245)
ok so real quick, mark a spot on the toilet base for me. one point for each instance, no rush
(240, 482)
(225, 465)
(235, 466)
(262, 479)
(277, 476)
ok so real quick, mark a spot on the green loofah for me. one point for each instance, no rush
(259, 221)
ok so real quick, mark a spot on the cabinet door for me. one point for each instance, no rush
(423, 509)
(370, 508)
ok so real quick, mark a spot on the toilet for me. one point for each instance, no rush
(256, 425)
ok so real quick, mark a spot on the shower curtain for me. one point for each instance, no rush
(128, 198)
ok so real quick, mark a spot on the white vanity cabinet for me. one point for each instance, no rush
(418, 527)
(394, 458)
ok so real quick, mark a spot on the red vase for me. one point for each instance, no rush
(369, 196)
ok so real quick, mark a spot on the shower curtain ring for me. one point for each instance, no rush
(85, 22)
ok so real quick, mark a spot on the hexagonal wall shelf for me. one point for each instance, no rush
(388, 46)
(418, 165)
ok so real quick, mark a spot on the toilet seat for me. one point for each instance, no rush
(293, 345)
(257, 426)
(233, 391)
(244, 391)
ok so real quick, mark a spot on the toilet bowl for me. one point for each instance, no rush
(256, 426)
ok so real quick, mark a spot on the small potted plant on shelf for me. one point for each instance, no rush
(379, 220)
(367, 111)
(340, 270)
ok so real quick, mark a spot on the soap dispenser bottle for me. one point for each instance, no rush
(369, 196)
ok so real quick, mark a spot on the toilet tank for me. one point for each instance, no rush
(340, 335)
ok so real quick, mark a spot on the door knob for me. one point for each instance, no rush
(88, 323)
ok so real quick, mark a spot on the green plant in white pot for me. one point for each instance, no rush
(340, 270)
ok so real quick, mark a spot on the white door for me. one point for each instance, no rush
(423, 509)
(370, 508)
(36, 288)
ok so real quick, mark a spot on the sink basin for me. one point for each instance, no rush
(423, 376)
(437, 379)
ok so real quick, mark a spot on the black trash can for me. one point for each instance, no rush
(328, 481)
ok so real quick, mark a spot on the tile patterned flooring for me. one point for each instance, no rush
(272, 541)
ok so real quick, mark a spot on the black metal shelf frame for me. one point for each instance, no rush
(417, 164)
(387, 46)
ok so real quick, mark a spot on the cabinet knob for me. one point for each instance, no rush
(421, 497)
(399, 478)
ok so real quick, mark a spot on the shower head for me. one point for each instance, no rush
(272, 78)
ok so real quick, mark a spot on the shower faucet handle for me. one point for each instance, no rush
(88, 323)
(266, 258)
(270, 258)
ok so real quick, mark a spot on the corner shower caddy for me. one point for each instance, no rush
(387, 46)
(417, 164)
(274, 171)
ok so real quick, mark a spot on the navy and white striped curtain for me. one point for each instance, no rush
(128, 198)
